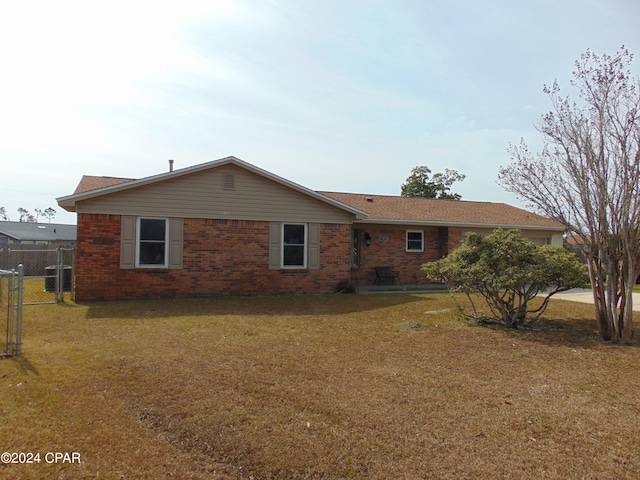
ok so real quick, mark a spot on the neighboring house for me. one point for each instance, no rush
(229, 227)
(32, 233)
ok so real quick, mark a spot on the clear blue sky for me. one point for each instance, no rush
(340, 95)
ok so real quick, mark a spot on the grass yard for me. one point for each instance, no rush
(335, 386)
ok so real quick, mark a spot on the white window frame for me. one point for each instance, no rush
(304, 246)
(166, 244)
(421, 249)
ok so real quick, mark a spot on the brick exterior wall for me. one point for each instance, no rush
(388, 248)
(221, 257)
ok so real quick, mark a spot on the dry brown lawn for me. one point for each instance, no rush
(333, 386)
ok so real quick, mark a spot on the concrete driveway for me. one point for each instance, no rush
(584, 295)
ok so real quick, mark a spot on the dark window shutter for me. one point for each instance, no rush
(313, 260)
(176, 232)
(128, 242)
(274, 245)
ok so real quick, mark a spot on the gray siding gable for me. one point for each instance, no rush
(226, 191)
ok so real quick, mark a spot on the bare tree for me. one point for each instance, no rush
(49, 213)
(3, 214)
(25, 215)
(587, 177)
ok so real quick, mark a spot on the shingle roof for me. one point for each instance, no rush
(32, 231)
(392, 209)
(89, 182)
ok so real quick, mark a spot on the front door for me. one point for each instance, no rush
(355, 250)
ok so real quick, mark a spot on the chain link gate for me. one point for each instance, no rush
(11, 297)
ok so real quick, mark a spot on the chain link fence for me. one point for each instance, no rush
(48, 272)
(11, 298)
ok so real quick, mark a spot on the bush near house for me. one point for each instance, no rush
(508, 271)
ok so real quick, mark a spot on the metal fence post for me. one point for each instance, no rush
(19, 310)
(59, 276)
(10, 311)
(72, 293)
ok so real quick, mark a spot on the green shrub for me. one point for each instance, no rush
(508, 271)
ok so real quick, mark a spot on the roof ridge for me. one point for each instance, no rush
(111, 176)
(415, 198)
(106, 176)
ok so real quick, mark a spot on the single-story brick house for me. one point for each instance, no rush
(229, 227)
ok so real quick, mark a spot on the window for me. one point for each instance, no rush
(294, 245)
(152, 242)
(415, 241)
(294, 239)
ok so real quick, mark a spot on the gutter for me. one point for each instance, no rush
(431, 223)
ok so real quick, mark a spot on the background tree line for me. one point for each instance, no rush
(26, 216)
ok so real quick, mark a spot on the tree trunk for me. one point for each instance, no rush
(599, 300)
(613, 300)
(627, 314)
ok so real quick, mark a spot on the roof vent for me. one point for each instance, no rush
(370, 199)
(171, 165)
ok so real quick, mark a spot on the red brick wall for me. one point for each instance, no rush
(455, 238)
(388, 248)
(221, 257)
